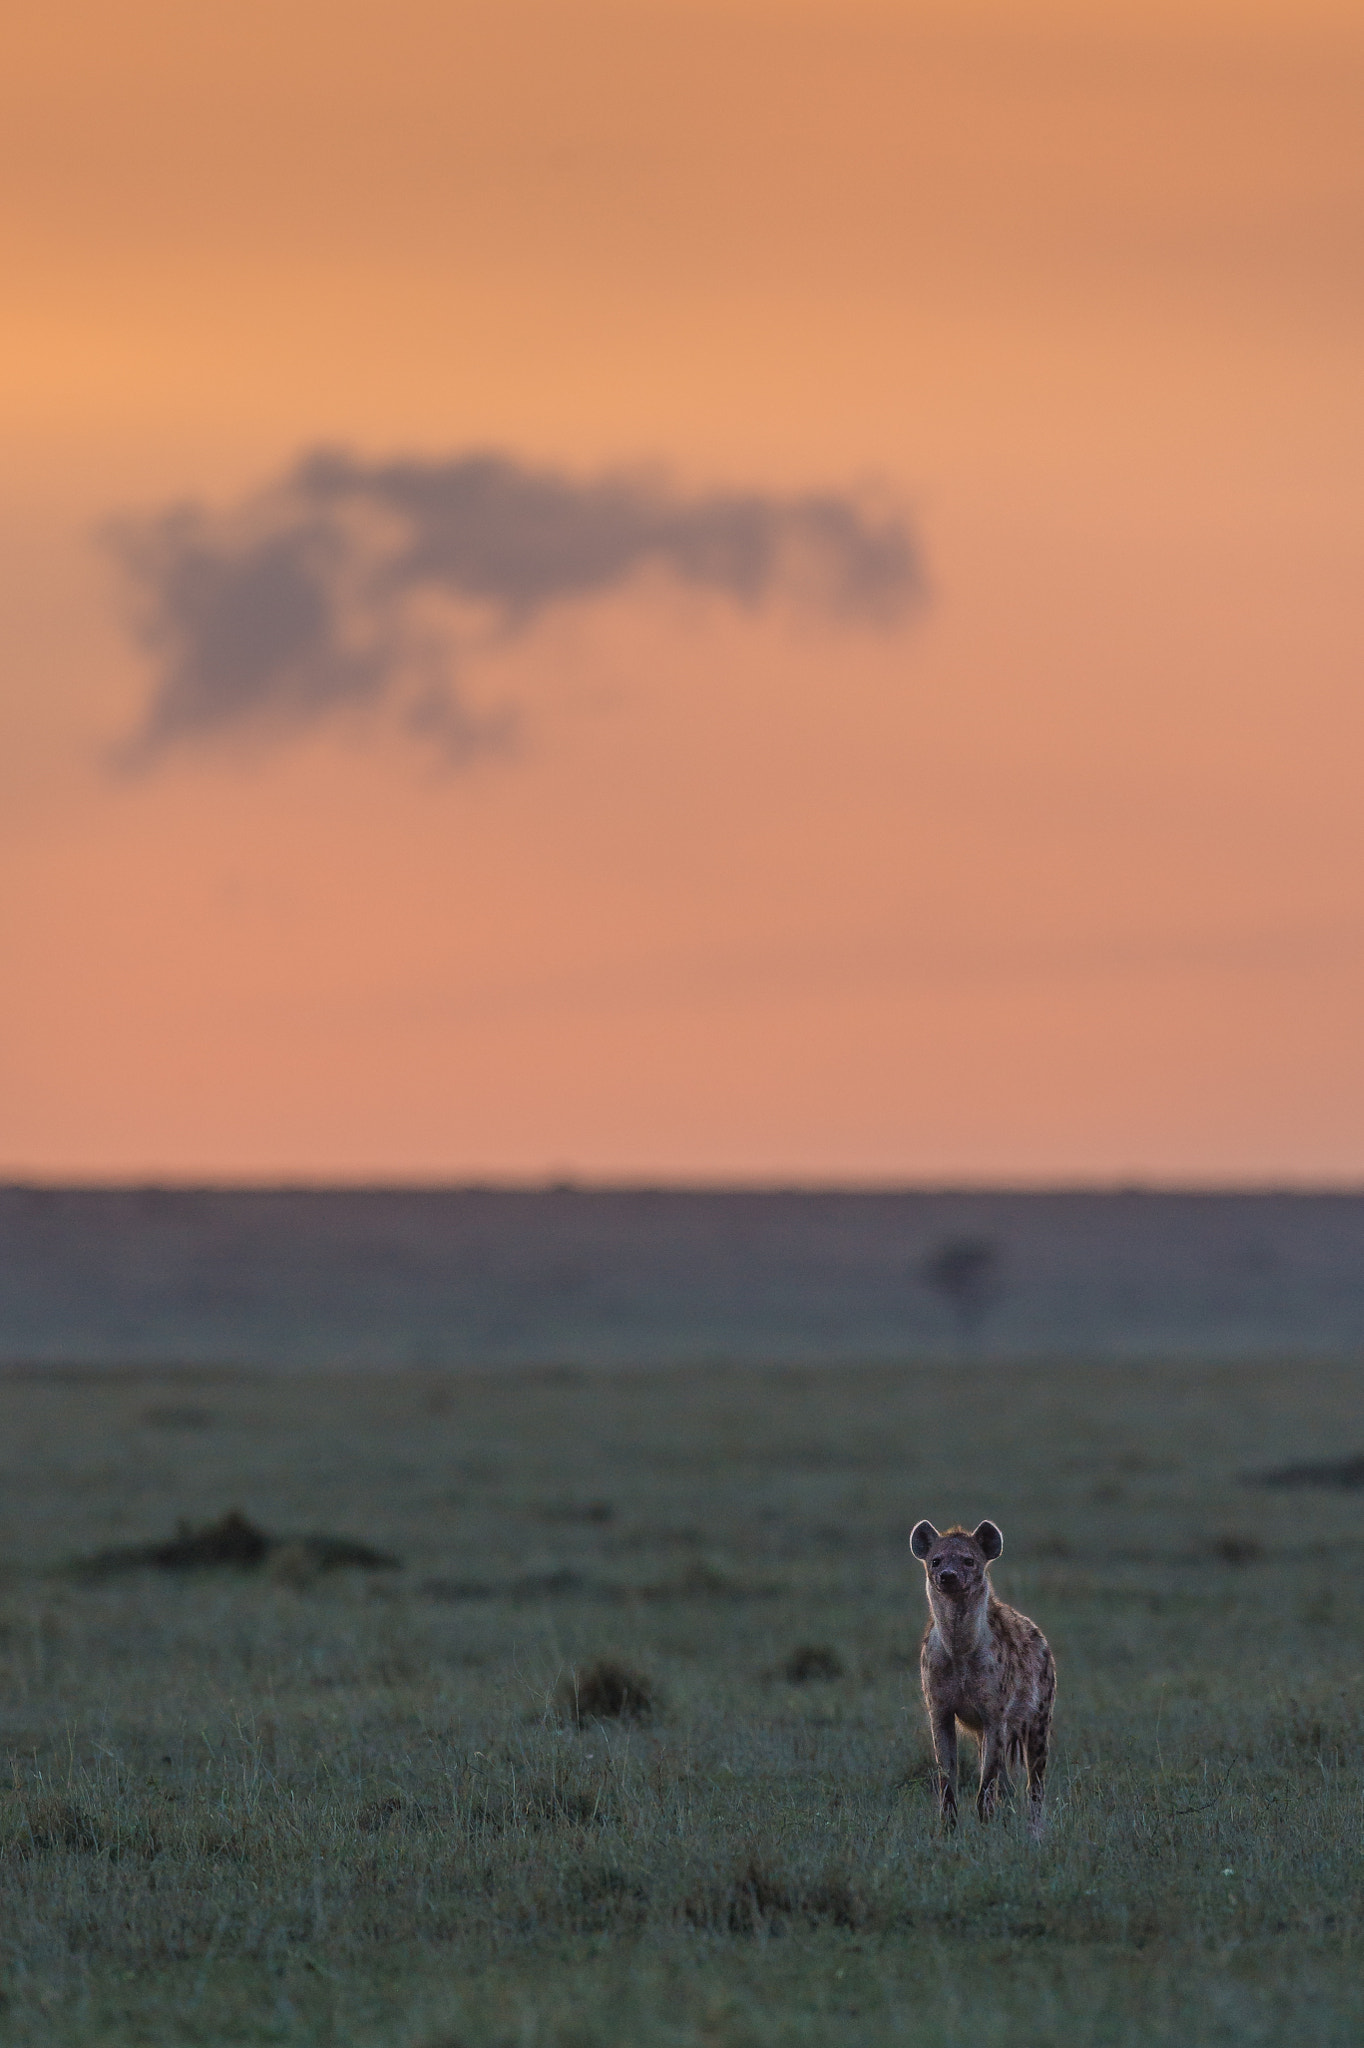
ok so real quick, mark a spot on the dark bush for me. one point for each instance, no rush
(390, 1811)
(759, 1898)
(812, 1661)
(238, 1543)
(605, 1690)
(1345, 1473)
(56, 1824)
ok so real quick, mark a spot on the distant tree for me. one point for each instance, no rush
(965, 1273)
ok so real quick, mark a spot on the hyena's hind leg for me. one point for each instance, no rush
(1038, 1742)
(993, 1775)
(1038, 1737)
(1015, 1759)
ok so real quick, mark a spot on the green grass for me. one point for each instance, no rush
(347, 1807)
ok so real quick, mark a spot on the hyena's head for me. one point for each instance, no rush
(957, 1561)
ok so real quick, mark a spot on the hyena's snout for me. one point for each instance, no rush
(954, 1576)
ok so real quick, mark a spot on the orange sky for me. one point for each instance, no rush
(1060, 877)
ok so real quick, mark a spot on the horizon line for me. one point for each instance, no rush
(570, 1183)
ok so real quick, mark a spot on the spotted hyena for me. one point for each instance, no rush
(985, 1665)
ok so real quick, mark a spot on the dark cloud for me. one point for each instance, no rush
(350, 582)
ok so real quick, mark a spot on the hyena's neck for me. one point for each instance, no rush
(962, 1625)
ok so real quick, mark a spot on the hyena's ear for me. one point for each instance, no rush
(922, 1537)
(990, 1541)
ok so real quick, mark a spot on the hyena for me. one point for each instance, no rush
(985, 1665)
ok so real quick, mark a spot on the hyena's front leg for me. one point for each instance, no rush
(945, 1750)
(991, 1765)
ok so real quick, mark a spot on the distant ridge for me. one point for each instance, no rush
(574, 1272)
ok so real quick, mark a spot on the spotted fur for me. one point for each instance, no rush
(984, 1665)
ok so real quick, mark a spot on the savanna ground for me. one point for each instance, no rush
(352, 1807)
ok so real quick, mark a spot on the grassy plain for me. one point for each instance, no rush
(347, 1808)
